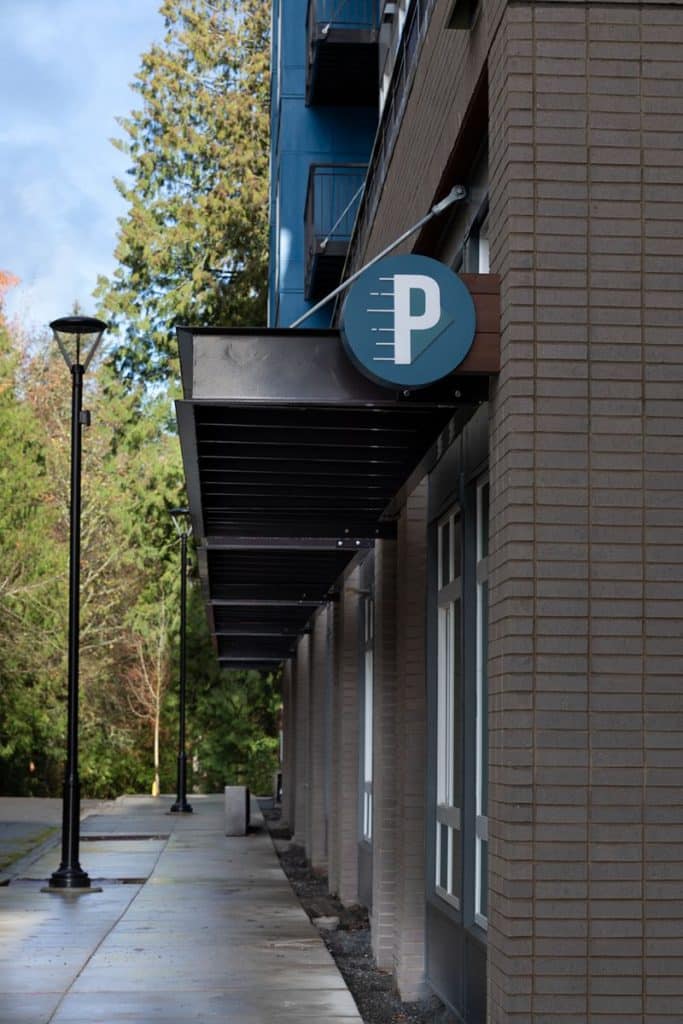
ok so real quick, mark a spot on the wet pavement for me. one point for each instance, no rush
(189, 926)
(27, 823)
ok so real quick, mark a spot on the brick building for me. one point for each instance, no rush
(482, 684)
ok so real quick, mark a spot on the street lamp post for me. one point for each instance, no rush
(183, 525)
(85, 334)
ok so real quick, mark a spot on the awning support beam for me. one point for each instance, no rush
(455, 195)
(292, 543)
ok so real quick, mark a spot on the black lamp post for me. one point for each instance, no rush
(183, 525)
(78, 338)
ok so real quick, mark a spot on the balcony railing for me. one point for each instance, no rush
(343, 52)
(334, 192)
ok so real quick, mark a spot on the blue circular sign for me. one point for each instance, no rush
(408, 321)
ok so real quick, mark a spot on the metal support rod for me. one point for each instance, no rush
(456, 193)
(70, 875)
(181, 806)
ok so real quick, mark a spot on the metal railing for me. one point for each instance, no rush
(334, 191)
(347, 14)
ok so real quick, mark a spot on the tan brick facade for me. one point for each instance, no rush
(585, 165)
(585, 181)
(316, 839)
(411, 735)
(385, 786)
(399, 724)
(288, 757)
(344, 811)
(301, 739)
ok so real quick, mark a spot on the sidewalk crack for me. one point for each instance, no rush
(104, 938)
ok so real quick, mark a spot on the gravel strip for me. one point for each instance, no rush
(372, 988)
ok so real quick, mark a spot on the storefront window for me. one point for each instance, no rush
(461, 819)
(481, 729)
(449, 704)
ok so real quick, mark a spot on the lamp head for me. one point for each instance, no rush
(181, 521)
(78, 338)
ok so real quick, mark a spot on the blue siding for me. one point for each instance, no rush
(301, 136)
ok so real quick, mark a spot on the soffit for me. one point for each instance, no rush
(292, 459)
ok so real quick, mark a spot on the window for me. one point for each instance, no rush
(481, 701)
(466, 241)
(463, 14)
(460, 851)
(476, 247)
(448, 861)
(483, 247)
(391, 30)
(368, 611)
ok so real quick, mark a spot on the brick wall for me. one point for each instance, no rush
(334, 755)
(385, 694)
(586, 709)
(316, 844)
(288, 758)
(411, 741)
(586, 562)
(301, 739)
(450, 65)
(343, 832)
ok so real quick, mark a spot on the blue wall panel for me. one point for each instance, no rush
(301, 136)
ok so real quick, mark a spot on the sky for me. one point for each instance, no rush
(64, 78)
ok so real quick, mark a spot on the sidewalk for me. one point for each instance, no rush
(190, 926)
(27, 823)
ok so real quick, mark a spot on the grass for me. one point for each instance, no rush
(9, 857)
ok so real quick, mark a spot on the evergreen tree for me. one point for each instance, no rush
(192, 246)
(31, 712)
(131, 474)
(191, 249)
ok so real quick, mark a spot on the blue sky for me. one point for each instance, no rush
(64, 78)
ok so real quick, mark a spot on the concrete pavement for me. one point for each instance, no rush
(190, 926)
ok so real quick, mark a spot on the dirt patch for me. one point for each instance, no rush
(372, 988)
(18, 839)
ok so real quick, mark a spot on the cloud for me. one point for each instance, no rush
(67, 65)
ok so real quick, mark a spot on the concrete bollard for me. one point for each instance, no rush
(236, 810)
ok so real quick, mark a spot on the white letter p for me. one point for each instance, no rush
(404, 322)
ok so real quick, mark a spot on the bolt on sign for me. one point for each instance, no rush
(408, 321)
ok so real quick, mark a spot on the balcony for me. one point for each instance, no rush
(343, 52)
(334, 192)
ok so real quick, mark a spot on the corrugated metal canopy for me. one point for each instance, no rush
(274, 573)
(292, 459)
(306, 472)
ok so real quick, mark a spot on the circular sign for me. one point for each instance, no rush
(408, 321)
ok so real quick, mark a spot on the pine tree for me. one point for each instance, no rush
(192, 247)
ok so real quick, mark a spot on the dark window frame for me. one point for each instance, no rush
(453, 484)
(366, 645)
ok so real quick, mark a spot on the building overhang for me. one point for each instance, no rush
(292, 461)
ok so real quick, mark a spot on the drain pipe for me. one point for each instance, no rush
(455, 195)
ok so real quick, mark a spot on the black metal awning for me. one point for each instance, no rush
(292, 460)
